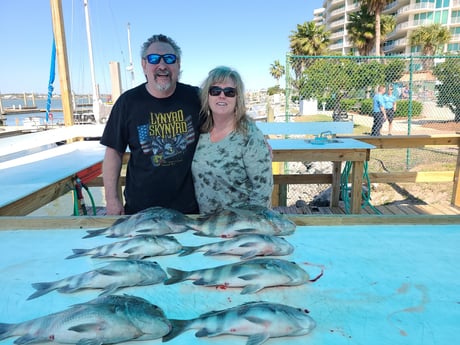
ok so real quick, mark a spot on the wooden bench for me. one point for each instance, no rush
(28, 142)
(34, 171)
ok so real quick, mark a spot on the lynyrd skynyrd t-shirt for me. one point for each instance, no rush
(161, 134)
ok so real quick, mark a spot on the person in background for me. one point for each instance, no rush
(390, 107)
(159, 122)
(232, 164)
(379, 112)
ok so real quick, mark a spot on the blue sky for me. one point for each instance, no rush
(248, 35)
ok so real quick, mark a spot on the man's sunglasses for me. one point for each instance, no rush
(154, 59)
(228, 91)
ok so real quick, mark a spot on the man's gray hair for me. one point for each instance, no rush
(161, 38)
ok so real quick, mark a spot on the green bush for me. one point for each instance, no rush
(402, 108)
(366, 106)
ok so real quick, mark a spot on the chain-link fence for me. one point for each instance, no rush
(425, 89)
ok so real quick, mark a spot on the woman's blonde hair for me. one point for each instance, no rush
(220, 75)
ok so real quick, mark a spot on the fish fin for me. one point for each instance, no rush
(87, 341)
(201, 281)
(201, 233)
(257, 339)
(252, 288)
(108, 272)
(85, 327)
(6, 330)
(176, 276)
(256, 320)
(249, 255)
(203, 332)
(177, 327)
(133, 253)
(187, 250)
(212, 252)
(247, 231)
(42, 289)
(110, 289)
(249, 276)
(77, 253)
(94, 233)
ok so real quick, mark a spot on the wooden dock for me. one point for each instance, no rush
(401, 209)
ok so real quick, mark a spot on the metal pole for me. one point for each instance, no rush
(91, 64)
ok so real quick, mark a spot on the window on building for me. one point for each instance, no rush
(453, 47)
(455, 31)
(423, 18)
(455, 17)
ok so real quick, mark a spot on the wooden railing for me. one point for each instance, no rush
(395, 142)
(382, 142)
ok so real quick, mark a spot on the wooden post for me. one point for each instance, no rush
(63, 67)
(456, 188)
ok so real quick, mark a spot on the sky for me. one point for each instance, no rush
(247, 35)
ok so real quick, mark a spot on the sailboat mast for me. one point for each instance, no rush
(131, 66)
(91, 62)
(63, 67)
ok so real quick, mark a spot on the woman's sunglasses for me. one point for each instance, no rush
(216, 91)
(154, 59)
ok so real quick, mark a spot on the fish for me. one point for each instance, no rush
(151, 221)
(247, 246)
(110, 278)
(105, 320)
(252, 275)
(259, 321)
(135, 248)
(249, 219)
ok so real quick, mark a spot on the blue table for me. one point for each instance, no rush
(345, 149)
(382, 284)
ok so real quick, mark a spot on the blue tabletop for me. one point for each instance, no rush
(381, 284)
(304, 144)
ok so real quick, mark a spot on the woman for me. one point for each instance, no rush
(390, 107)
(232, 162)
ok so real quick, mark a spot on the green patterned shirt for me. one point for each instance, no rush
(233, 172)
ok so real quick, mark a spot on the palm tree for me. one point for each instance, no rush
(309, 39)
(431, 37)
(376, 7)
(277, 70)
(361, 29)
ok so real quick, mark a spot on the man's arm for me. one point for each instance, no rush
(111, 168)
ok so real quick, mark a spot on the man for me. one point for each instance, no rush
(159, 122)
(378, 111)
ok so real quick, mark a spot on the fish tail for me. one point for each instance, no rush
(177, 327)
(77, 253)
(6, 330)
(94, 233)
(176, 276)
(42, 289)
(186, 250)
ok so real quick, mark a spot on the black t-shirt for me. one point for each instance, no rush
(161, 134)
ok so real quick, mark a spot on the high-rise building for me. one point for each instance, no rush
(409, 15)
